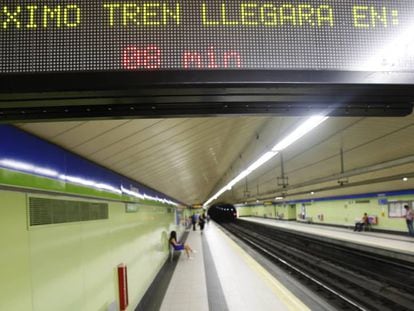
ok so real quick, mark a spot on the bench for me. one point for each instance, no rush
(306, 219)
(173, 251)
(279, 216)
(372, 220)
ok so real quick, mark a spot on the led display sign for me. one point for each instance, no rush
(85, 35)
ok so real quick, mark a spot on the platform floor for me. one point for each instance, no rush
(222, 276)
(390, 242)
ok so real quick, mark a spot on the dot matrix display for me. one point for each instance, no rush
(84, 35)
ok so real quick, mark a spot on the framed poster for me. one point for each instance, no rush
(396, 209)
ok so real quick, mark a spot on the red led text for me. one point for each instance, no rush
(211, 59)
(141, 58)
(150, 57)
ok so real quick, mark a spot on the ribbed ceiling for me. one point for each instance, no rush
(184, 158)
(191, 158)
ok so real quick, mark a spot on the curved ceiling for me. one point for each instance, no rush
(192, 158)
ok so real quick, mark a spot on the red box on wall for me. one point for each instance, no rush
(123, 287)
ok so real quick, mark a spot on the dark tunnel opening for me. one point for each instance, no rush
(222, 212)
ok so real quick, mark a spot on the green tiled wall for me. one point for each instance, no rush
(72, 266)
(336, 212)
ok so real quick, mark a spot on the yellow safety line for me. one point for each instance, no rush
(283, 294)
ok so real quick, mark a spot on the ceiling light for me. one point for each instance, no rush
(299, 132)
(262, 160)
(302, 130)
(312, 193)
(405, 179)
(28, 167)
(279, 198)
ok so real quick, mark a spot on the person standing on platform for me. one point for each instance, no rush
(189, 222)
(202, 221)
(409, 216)
(194, 221)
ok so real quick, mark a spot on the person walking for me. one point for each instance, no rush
(202, 221)
(409, 216)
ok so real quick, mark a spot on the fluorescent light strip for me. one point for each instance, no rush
(38, 170)
(299, 132)
(27, 167)
(302, 130)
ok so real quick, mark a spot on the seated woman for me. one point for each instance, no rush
(363, 222)
(180, 246)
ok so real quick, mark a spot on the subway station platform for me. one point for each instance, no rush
(222, 276)
(390, 245)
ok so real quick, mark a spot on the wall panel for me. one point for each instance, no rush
(15, 283)
(72, 266)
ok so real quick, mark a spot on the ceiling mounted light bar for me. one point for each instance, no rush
(302, 130)
(299, 132)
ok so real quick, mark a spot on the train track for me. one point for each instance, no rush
(349, 279)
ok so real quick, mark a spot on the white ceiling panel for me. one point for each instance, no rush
(50, 130)
(183, 158)
(365, 142)
(192, 158)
